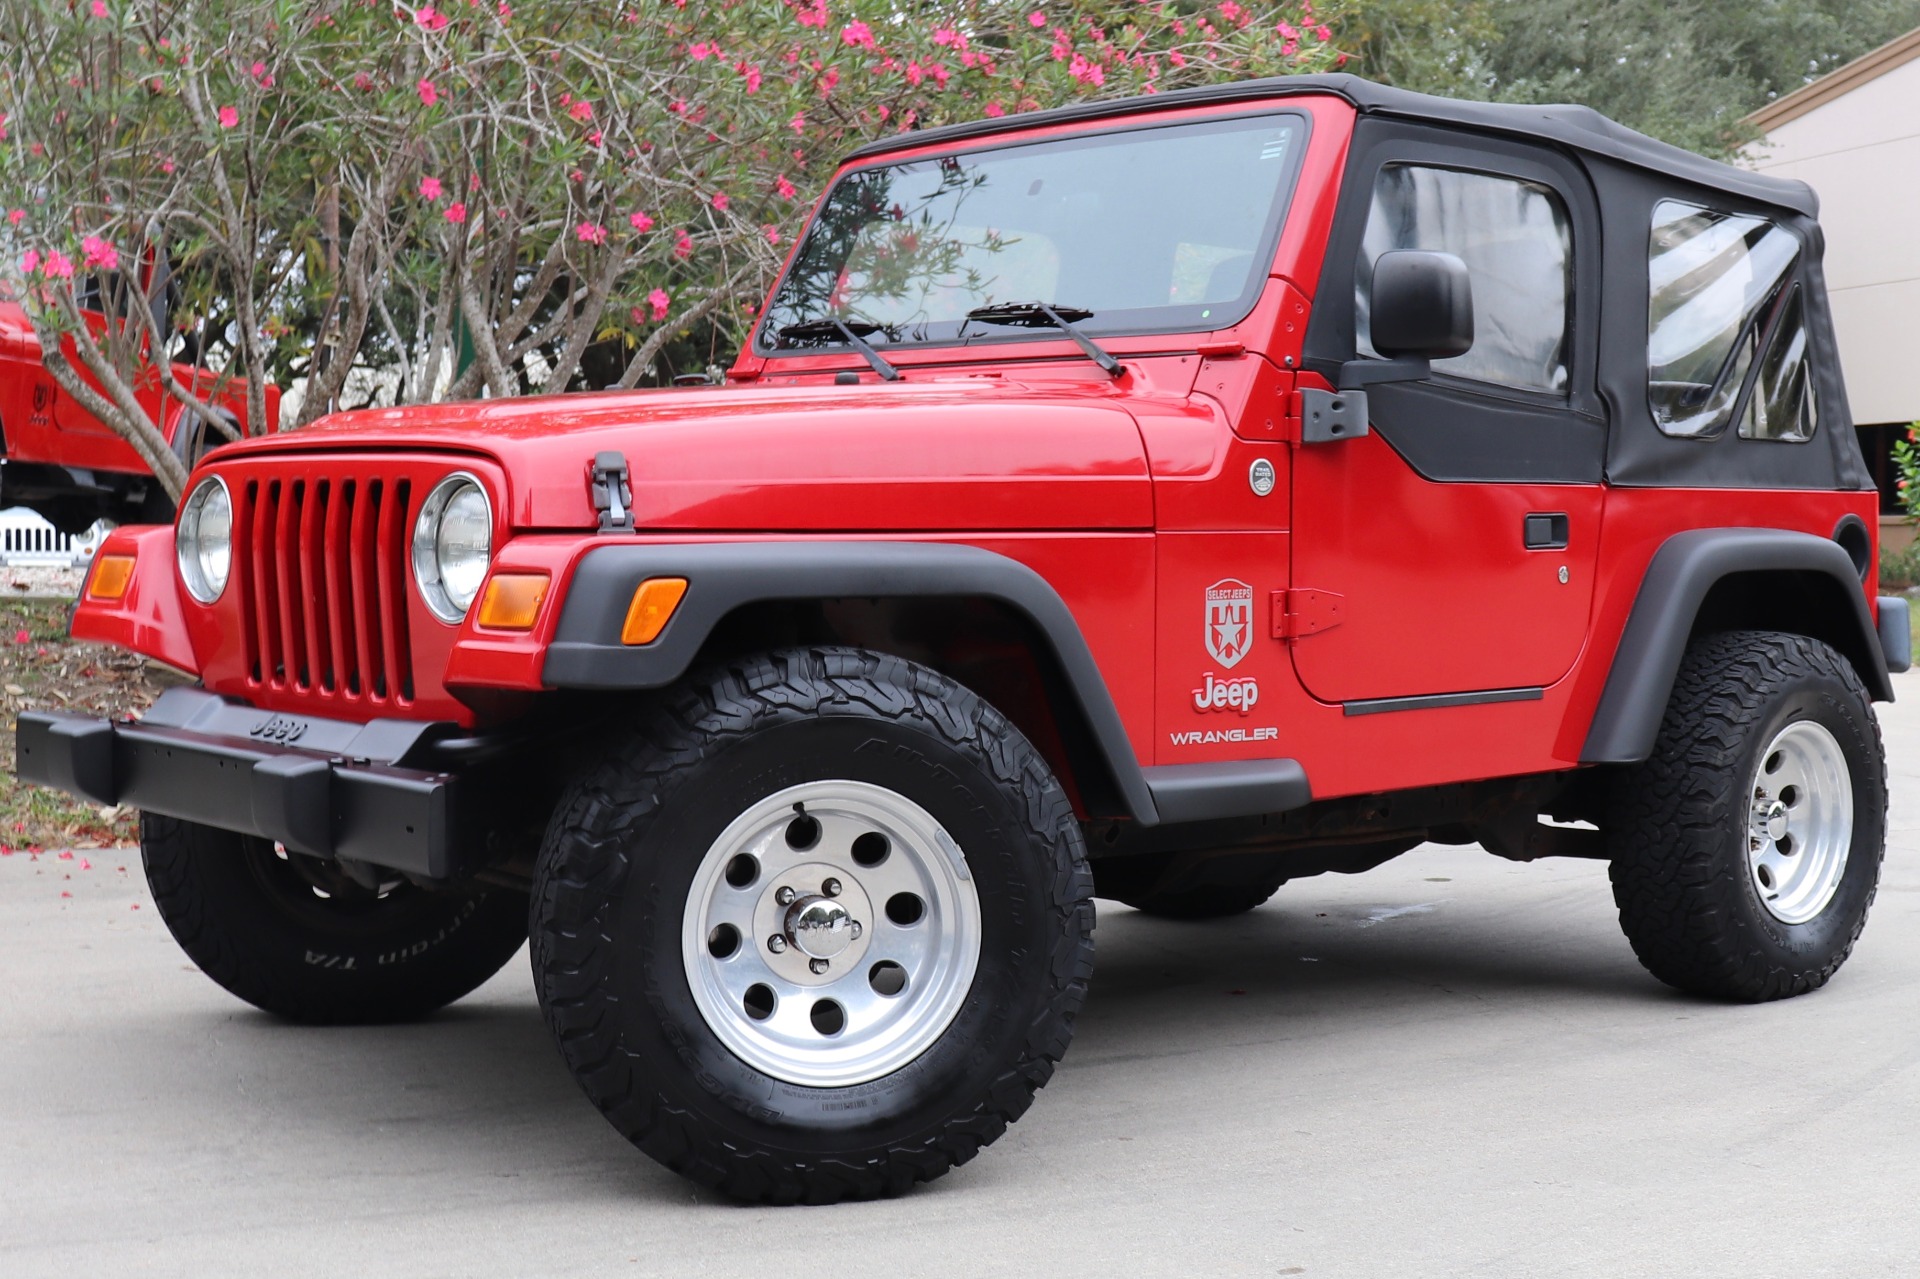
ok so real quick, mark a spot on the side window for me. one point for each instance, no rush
(1514, 238)
(1719, 290)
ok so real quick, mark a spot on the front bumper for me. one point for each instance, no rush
(327, 787)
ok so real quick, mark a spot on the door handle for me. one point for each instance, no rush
(1545, 531)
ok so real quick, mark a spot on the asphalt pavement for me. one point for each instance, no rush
(1451, 1065)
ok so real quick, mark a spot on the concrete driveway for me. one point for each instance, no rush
(1451, 1065)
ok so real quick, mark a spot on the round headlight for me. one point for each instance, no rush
(203, 540)
(452, 544)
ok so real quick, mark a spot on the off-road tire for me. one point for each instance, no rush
(1203, 901)
(251, 920)
(611, 891)
(1677, 824)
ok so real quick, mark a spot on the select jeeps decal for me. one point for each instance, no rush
(1229, 621)
(1227, 694)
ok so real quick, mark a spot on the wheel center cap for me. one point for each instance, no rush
(1770, 819)
(821, 927)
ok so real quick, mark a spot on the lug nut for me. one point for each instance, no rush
(776, 943)
(785, 896)
(831, 888)
(818, 966)
(854, 925)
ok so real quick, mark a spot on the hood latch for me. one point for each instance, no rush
(612, 495)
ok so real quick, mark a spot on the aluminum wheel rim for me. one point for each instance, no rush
(1799, 822)
(807, 900)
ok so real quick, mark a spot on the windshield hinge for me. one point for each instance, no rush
(612, 495)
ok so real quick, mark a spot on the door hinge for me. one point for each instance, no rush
(1301, 612)
(1326, 416)
(612, 495)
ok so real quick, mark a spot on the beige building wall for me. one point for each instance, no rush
(1861, 152)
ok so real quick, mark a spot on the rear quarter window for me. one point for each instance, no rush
(1726, 326)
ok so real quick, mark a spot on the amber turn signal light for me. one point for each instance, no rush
(652, 609)
(512, 601)
(112, 574)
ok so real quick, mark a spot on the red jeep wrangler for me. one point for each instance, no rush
(61, 461)
(1157, 499)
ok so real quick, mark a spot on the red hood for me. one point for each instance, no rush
(959, 453)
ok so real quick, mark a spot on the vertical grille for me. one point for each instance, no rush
(322, 565)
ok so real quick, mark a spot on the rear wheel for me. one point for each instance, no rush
(1746, 851)
(299, 937)
(1203, 901)
(817, 929)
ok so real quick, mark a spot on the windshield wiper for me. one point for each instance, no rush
(813, 330)
(1039, 315)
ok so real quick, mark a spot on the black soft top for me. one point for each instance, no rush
(1579, 128)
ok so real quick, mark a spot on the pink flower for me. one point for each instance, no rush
(29, 263)
(429, 188)
(1322, 34)
(430, 18)
(590, 233)
(1037, 19)
(994, 109)
(773, 234)
(814, 15)
(683, 245)
(720, 201)
(640, 222)
(99, 8)
(1229, 10)
(229, 118)
(786, 189)
(700, 52)
(581, 110)
(751, 74)
(21, 637)
(457, 212)
(1086, 72)
(915, 73)
(97, 252)
(16, 216)
(659, 301)
(428, 94)
(857, 35)
(1286, 30)
(57, 268)
(505, 10)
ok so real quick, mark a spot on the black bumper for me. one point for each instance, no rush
(321, 786)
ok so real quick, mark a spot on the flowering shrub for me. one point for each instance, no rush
(389, 203)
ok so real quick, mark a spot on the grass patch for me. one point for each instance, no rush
(42, 669)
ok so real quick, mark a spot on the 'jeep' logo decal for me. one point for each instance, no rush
(1229, 621)
(281, 728)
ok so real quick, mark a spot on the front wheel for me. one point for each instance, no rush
(1747, 849)
(818, 928)
(298, 937)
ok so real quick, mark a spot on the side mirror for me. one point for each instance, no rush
(1422, 305)
(1422, 311)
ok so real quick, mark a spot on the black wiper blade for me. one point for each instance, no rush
(813, 330)
(1041, 315)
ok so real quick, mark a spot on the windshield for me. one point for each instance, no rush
(1150, 230)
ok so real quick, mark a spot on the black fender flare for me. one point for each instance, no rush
(587, 653)
(1678, 579)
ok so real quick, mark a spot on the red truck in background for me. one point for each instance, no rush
(63, 462)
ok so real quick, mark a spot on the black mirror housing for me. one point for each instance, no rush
(1422, 305)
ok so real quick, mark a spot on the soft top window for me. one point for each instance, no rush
(1158, 229)
(1514, 239)
(1719, 291)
